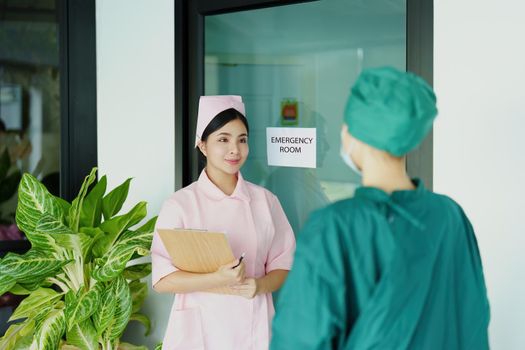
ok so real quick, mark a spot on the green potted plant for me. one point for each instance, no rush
(81, 288)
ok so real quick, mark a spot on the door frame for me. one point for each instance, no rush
(78, 93)
(189, 74)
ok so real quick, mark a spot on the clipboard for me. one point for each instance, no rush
(198, 251)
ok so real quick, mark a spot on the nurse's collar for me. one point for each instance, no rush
(212, 191)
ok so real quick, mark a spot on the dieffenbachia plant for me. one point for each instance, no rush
(81, 288)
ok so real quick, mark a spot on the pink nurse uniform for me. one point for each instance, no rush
(254, 223)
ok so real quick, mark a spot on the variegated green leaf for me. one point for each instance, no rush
(139, 291)
(24, 343)
(15, 334)
(149, 226)
(52, 226)
(83, 335)
(41, 240)
(80, 243)
(19, 290)
(33, 285)
(40, 298)
(30, 267)
(128, 346)
(136, 272)
(93, 232)
(106, 309)
(65, 205)
(113, 201)
(122, 309)
(6, 282)
(83, 305)
(158, 346)
(50, 330)
(115, 226)
(91, 211)
(76, 206)
(121, 253)
(34, 200)
(142, 319)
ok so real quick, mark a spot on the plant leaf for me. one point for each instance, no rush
(6, 283)
(40, 298)
(33, 285)
(50, 330)
(128, 346)
(142, 319)
(116, 226)
(158, 346)
(136, 272)
(63, 237)
(81, 306)
(149, 226)
(31, 267)
(83, 335)
(66, 206)
(24, 343)
(122, 309)
(139, 292)
(19, 290)
(76, 206)
(113, 201)
(52, 226)
(91, 211)
(121, 253)
(106, 309)
(34, 200)
(15, 333)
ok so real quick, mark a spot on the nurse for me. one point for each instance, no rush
(255, 224)
(397, 266)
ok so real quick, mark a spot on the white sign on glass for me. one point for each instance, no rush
(291, 147)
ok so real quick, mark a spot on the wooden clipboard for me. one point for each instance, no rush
(198, 251)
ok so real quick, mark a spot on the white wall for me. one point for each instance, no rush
(479, 70)
(135, 121)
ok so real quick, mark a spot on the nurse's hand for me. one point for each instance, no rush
(230, 275)
(249, 289)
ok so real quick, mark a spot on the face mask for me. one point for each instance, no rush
(348, 159)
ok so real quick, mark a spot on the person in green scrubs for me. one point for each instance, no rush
(396, 266)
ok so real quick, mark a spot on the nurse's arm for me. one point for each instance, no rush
(187, 282)
(271, 282)
(267, 284)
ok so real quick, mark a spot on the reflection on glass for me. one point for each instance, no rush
(29, 102)
(29, 112)
(294, 66)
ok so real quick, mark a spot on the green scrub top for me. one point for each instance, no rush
(385, 271)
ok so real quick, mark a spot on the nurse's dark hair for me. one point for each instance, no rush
(222, 119)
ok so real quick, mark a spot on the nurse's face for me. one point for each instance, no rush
(226, 149)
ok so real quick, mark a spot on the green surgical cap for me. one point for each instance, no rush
(390, 110)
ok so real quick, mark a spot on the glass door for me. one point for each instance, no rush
(294, 66)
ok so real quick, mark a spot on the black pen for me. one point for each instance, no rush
(240, 260)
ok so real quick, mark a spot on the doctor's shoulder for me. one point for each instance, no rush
(451, 214)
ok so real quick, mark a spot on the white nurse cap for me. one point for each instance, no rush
(210, 106)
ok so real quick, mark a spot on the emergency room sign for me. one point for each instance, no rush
(291, 147)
